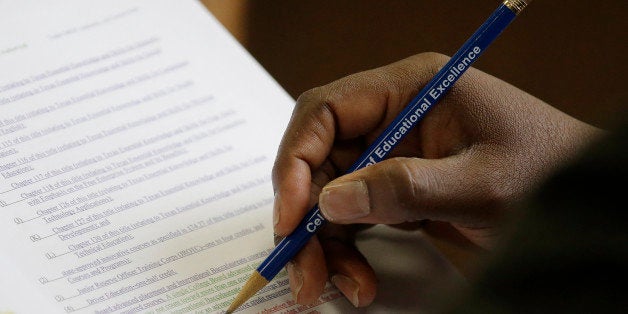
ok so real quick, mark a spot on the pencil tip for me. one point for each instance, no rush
(254, 284)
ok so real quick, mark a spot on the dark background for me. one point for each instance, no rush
(571, 54)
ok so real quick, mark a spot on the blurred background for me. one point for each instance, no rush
(571, 54)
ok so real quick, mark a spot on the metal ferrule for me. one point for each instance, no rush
(516, 6)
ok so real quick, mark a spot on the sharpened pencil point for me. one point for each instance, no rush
(394, 133)
(254, 284)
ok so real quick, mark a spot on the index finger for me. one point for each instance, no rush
(345, 109)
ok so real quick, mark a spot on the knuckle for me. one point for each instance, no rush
(408, 185)
(433, 57)
(308, 97)
(419, 183)
(408, 75)
(434, 61)
(320, 130)
(431, 62)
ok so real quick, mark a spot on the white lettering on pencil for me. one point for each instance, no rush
(372, 160)
(422, 106)
(454, 73)
(316, 222)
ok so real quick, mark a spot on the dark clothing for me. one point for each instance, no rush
(569, 253)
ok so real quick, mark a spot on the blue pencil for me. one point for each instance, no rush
(387, 141)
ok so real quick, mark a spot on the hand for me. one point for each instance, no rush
(477, 152)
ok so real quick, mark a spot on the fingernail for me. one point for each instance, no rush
(348, 287)
(345, 200)
(276, 212)
(296, 280)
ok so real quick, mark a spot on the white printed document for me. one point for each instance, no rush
(136, 145)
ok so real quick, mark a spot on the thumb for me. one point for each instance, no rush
(457, 189)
